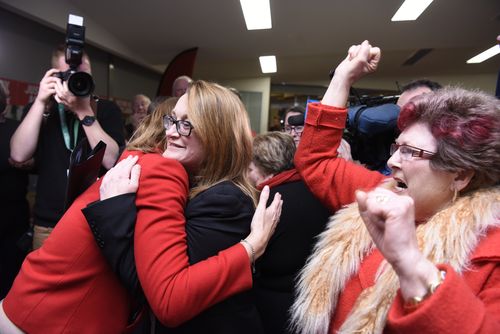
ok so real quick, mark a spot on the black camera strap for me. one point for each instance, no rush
(65, 130)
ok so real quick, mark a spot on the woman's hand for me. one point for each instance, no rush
(264, 222)
(390, 220)
(361, 60)
(123, 178)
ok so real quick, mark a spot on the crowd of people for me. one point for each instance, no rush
(200, 227)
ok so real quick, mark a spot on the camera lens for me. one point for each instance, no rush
(81, 84)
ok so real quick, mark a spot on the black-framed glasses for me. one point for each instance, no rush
(183, 128)
(407, 152)
(297, 129)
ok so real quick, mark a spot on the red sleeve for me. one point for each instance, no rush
(176, 291)
(454, 307)
(333, 180)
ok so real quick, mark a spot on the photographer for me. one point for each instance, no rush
(52, 126)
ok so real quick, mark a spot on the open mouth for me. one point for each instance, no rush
(400, 186)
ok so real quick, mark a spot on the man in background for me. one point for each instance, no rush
(293, 122)
(414, 88)
(180, 85)
(140, 105)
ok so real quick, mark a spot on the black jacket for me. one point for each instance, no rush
(303, 217)
(216, 219)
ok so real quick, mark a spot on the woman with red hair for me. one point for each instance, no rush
(425, 238)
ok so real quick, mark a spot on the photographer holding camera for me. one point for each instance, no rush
(53, 125)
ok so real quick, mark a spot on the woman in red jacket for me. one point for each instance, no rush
(208, 133)
(67, 286)
(418, 254)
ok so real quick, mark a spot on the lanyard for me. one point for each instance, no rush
(64, 127)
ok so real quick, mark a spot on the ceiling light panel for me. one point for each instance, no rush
(410, 10)
(493, 51)
(257, 14)
(268, 64)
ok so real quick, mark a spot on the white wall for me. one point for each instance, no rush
(261, 85)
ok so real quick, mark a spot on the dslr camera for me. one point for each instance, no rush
(79, 83)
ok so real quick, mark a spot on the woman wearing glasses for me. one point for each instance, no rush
(418, 253)
(67, 285)
(293, 122)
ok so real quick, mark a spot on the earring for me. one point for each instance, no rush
(455, 195)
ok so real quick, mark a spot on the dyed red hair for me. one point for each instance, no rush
(466, 125)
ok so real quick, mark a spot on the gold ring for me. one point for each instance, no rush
(381, 198)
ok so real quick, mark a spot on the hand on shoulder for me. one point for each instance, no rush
(121, 179)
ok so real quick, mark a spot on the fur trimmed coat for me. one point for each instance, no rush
(346, 286)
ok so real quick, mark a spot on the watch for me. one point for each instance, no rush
(88, 120)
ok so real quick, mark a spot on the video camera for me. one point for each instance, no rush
(371, 129)
(79, 83)
(297, 120)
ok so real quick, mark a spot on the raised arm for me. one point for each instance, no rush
(334, 180)
(25, 140)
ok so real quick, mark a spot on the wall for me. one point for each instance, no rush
(256, 85)
(128, 79)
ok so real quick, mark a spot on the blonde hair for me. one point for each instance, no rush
(150, 135)
(223, 127)
(273, 152)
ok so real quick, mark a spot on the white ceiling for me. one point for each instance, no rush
(308, 36)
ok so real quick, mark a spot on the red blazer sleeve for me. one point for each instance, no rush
(463, 303)
(332, 180)
(176, 291)
(454, 307)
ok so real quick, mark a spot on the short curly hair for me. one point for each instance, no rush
(273, 152)
(466, 125)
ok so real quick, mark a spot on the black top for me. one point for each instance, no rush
(52, 157)
(13, 188)
(303, 217)
(216, 219)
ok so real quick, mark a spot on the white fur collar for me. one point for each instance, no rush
(449, 237)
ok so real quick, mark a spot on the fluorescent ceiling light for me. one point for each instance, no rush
(493, 51)
(257, 14)
(410, 10)
(268, 64)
